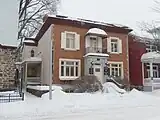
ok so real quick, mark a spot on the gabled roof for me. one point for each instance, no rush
(81, 23)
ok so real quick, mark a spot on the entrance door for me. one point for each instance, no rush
(98, 72)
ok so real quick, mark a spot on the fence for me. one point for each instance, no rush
(11, 97)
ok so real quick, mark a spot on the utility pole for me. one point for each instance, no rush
(50, 72)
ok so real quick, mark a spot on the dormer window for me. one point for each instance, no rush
(32, 53)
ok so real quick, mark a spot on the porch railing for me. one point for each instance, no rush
(149, 82)
(95, 50)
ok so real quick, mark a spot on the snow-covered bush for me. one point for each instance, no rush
(87, 83)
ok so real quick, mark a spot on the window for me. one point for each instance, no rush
(115, 69)
(70, 40)
(91, 70)
(155, 71)
(150, 47)
(32, 53)
(114, 45)
(69, 68)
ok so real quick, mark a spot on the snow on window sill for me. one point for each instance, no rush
(68, 78)
(71, 49)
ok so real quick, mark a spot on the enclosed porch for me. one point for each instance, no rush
(151, 70)
(30, 72)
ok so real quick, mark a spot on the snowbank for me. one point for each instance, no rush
(84, 106)
(38, 87)
(57, 93)
(110, 87)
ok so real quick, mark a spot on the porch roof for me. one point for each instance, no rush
(32, 59)
(153, 57)
(97, 31)
(96, 54)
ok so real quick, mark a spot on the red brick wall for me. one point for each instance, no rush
(136, 50)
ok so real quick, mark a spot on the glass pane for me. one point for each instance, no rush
(114, 65)
(155, 74)
(62, 70)
(67, 71)
(72, 43)
(97, 69)
(115, 48)
(67, 43)
(72, 71)
(76, 63)
(76, 71)
(120, 72)
(91, 71)
(69, 63)
(116, 72)
(113, 73)
(62, 62)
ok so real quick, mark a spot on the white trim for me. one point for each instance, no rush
(115, 62)
(69, 77)
(143, 72)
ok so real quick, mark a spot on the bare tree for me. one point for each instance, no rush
(153, 28)
(31, 13)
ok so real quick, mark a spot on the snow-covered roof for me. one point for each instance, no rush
(97, 54)
(33, 59)
(97, 31)
(88, 21)
(28, 41)
(153, 57)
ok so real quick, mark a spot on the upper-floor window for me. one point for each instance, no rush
(150, 47)
(32, 53)
(70, 40)
(114, 45)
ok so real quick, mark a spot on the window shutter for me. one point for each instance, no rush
(119, 45)
(109, 45)
(63, 40)
(77, 42)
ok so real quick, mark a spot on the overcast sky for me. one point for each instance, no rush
(126, 12)
(8, 21)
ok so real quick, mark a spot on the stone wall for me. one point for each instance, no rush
(7, 67)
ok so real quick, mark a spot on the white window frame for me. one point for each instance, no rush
(156, 71)
(149, 47)
(69, 77)
(67, 32)
(116, 44)
(119, 63)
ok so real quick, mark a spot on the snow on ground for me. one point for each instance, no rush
(134, 105)
(38, 87)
